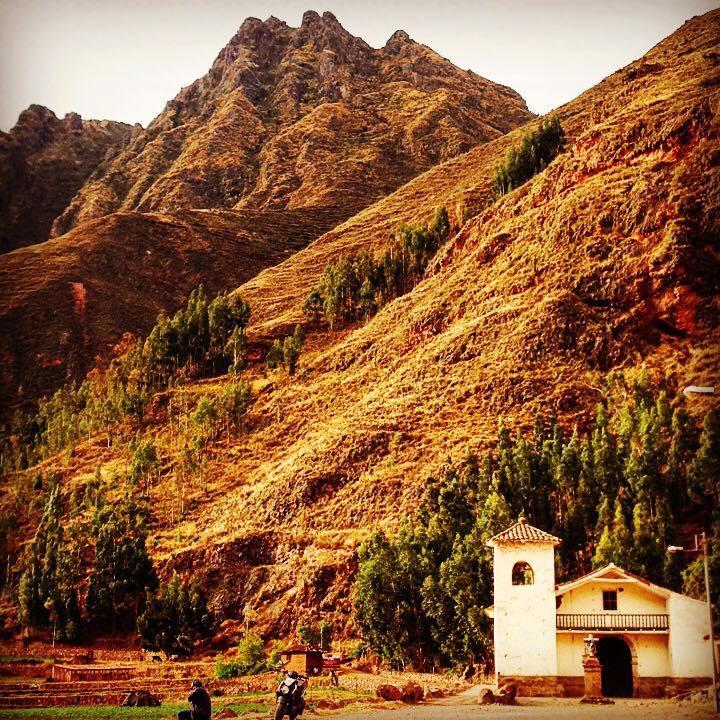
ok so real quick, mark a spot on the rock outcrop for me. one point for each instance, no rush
(44, 161)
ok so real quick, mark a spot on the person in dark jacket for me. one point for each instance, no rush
(200, 701)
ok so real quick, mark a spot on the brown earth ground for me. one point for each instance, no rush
(464, 707)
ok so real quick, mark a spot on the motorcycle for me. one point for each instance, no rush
(290, 696)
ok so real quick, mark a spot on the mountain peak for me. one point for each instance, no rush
(309, 17)
(397, 41)
(399, 36)
(267, 79)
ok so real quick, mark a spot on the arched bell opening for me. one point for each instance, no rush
(522, 574)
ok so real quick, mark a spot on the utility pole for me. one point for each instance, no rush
(710, 615)
(701, 545)
(688, 392)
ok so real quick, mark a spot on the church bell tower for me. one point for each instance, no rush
(524, 593)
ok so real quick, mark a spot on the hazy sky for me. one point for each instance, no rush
(123, 59)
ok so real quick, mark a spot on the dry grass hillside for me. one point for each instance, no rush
(81, 292)
(613, 111)
(300, 117)
(608, 259)
(44, 161)
(308, 120)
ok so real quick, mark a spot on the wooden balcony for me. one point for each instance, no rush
(613, 622)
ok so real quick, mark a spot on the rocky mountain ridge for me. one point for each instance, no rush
(44, 161)
(299, 117)
(310, 122)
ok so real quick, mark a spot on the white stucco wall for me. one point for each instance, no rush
(632, 598)
(653, 658)
(570, 649)
(689, 637)
(525, 641)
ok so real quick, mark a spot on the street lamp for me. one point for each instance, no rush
(701, 545)
(698, 390)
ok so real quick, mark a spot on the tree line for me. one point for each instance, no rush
(619, 493)
(121, 591)
(356, 286)
(522, 162)
(205, 338)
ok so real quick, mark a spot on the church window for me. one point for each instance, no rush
(609, 599)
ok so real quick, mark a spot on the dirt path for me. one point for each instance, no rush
(465, 707)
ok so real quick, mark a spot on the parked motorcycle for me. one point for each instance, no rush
(290, 696)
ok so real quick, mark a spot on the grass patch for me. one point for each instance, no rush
(26, 660)
(111, 712)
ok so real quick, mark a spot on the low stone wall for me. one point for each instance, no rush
(21, 669)
(199, 670)
(68, 653)
(663, 687)
(91, 673)
(542, 685)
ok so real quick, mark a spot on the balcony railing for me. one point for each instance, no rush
(653, 622)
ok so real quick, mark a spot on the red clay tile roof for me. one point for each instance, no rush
(522, 532)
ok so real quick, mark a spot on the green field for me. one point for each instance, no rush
(110, 712)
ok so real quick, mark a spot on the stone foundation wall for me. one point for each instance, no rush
(91, 673)
(567, 686)
(660, 687)
(19, 669)
(102, 652)
(538, 685)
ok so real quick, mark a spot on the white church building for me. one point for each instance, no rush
(651, 641)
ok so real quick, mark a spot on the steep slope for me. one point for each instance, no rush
(299, 117)
(81, 292)
(607, 259)
(613, 111)
(310, 120)
(44, 161)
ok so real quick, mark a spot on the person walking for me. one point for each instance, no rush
(200, 701)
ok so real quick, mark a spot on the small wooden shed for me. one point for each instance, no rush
(305, 659)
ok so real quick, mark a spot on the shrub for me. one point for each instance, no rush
(537, 150)
(250, 659)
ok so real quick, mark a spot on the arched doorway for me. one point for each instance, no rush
(616, 660)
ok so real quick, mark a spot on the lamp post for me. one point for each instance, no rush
(702, 546)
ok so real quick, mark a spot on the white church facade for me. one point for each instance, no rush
(651, 641)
